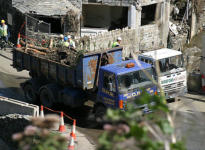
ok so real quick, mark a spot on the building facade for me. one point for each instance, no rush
(142, 24)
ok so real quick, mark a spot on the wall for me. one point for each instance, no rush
(149, 2)
(105, 40)
(150, 37)
(110, 2)
(197, 18)
(77, 3)
(201, 18)
(122, 2)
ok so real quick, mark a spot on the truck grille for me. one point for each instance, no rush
(173, 86)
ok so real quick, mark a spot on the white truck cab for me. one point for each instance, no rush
(173, 76)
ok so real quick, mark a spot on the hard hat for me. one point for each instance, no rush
(69, 36)
(119, 39)
(2, 21)
(65, 38)
(61, 36)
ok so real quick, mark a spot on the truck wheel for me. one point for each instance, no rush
(30, 94)
(100, 111)
(46, 98)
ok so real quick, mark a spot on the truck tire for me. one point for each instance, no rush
(100, 111)
(49, 94)
(46, 98)
(29, 93)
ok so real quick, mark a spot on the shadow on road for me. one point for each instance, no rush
(5, 56)
(195, 99)
(12, 92)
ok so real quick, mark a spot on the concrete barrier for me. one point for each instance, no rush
(12, 106)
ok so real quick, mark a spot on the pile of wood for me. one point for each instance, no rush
(30, 48)
(63, 55)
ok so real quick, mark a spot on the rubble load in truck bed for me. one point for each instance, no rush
(63, 55)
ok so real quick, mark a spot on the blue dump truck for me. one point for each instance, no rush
(102, 77)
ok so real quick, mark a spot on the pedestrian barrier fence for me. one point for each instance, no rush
(12, 106)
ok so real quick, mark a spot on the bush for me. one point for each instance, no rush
(133, 130)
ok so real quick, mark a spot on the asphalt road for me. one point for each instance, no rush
(190, 120)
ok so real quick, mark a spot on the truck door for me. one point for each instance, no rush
(107, 92)
(151, 62)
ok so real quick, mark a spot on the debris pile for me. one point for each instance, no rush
(179, 24)
(178, 36)
(65, 56)
(11, 124)
(53, 51)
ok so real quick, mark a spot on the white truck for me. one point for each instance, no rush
(173, 76)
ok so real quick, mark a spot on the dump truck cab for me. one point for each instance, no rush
(173, 76)
(123, 82)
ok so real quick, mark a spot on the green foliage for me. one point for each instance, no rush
(178, 146)
(134, 130)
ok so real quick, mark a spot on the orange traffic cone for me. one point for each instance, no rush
(73, 129)
(18, 41)
(42, 113)
(72, 144)
(62, 126)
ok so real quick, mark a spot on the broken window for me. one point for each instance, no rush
(55, 24)
(101, 16)
(148, 14)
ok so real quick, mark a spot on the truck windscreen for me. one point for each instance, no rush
(168, 64)
(131, 81)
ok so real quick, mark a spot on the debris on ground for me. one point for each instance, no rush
(178, 35)
(11, 124)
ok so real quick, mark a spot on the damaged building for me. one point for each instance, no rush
(142, 24)
(96, 24)
(47, 16)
